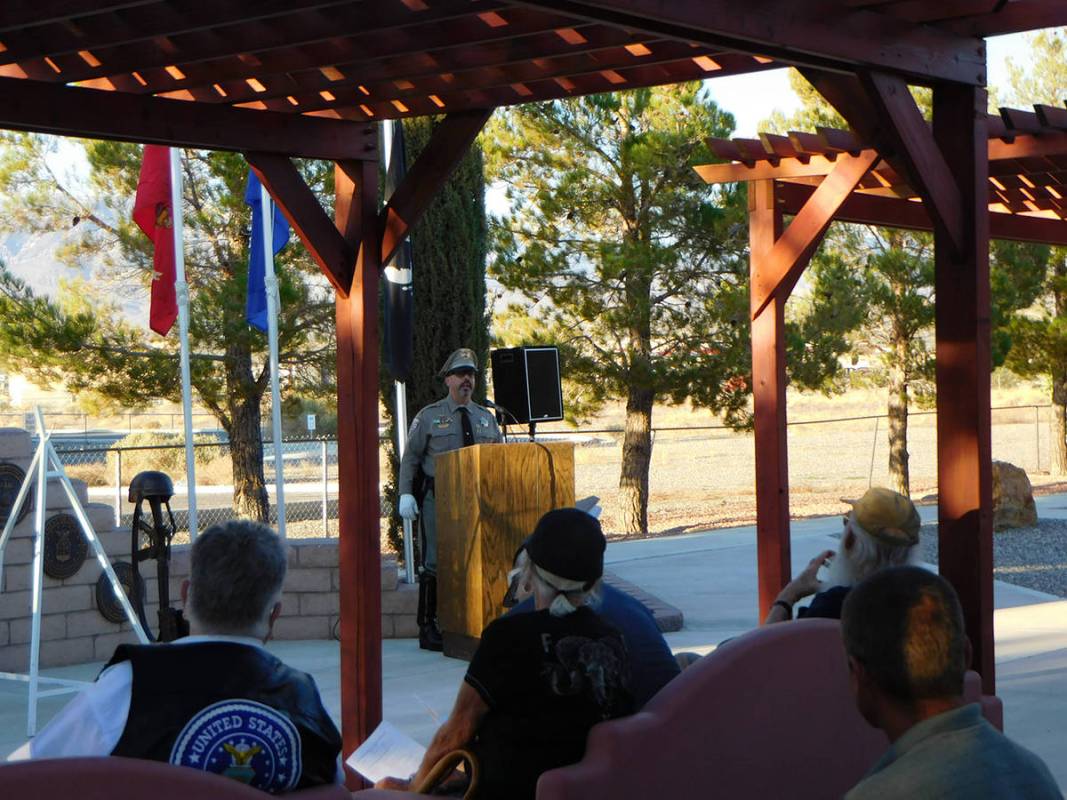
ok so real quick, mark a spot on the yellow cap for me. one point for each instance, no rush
(888, 516)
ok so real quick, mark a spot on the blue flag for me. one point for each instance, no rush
(256, 309)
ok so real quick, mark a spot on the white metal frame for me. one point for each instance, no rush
(44, 466)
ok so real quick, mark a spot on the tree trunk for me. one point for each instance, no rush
(244, 395)
(898, 420)
(636, 456)
(1058, 424)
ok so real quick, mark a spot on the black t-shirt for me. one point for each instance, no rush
(547, 680)
(827, 604)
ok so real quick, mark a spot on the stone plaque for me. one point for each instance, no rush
(11, 477)
(65, 547)
(106, 603)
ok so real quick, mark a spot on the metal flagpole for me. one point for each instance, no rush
(401, 446)
(402, 277)
(271, 282)
(181, 289)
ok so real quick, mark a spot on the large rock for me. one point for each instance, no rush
(1013, 497)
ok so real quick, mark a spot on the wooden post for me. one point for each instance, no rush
(359, 547)
(768, 395)
(964, 468)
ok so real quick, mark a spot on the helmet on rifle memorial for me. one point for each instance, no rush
(151, 484)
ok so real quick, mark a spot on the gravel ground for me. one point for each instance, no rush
(1032, 557)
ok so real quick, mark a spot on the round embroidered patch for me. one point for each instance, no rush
(244, 740)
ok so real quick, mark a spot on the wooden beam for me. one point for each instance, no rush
(885, 212)
(327, 246)
(106, 29)
(359, 542)
(929, 174)
(1015, 17)
(375, 65)
(301, 41)
(765, 170)
(817, 33)
(778, 268)
(1052, 143)
(16, 14)
(547, 58)
(72, 111)
(448, 144)
(769, 406)
(963, 367)
(922, 11)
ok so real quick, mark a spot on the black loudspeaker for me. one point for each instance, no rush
(526, 384)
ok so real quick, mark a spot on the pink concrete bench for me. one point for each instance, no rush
(768, 714)
(110, 778)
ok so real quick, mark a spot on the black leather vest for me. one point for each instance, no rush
(228, 708)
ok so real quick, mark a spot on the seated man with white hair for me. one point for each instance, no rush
(882, 530)
(538, 681)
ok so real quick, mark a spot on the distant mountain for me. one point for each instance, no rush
(32, 258)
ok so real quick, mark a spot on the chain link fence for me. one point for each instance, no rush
(309, 467)
(700, 476)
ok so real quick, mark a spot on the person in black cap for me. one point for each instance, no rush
(453, 422)
(652, 664)
(539, 681)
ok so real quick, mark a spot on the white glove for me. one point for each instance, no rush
(407, 507)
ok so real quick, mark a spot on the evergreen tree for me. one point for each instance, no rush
(631, 263)
(449, 255)
(82, 339)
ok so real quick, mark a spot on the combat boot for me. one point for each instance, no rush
(429, 633)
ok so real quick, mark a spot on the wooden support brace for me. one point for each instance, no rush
(448, 144)
(777, 271)
(882, 111)
(326, 244)
(930, 173)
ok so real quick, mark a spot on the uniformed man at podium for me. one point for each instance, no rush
(452, 422)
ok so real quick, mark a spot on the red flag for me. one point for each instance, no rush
(152, 213)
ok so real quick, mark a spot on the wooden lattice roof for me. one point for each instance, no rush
(367, 60)
(1027, 165)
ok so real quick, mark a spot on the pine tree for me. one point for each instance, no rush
(83, 340)
(449, 254)
(632, 264)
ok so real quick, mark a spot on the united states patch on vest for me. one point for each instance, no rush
(244, 740)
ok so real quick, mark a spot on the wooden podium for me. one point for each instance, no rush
(489, 497)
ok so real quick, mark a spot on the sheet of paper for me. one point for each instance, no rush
(387, 751)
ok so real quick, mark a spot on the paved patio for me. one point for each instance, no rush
(711, 577)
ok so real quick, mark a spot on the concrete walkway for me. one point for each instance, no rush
(711, 577)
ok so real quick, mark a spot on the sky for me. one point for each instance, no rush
(754, 97)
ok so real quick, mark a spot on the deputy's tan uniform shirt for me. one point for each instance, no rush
(437, 429)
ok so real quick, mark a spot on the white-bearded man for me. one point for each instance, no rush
(881, 531)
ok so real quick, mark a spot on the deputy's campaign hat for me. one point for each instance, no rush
(460, 359)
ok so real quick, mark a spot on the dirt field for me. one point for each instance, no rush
(703, 479)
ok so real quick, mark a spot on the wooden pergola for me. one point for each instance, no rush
(835, 174)
(277, 79)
